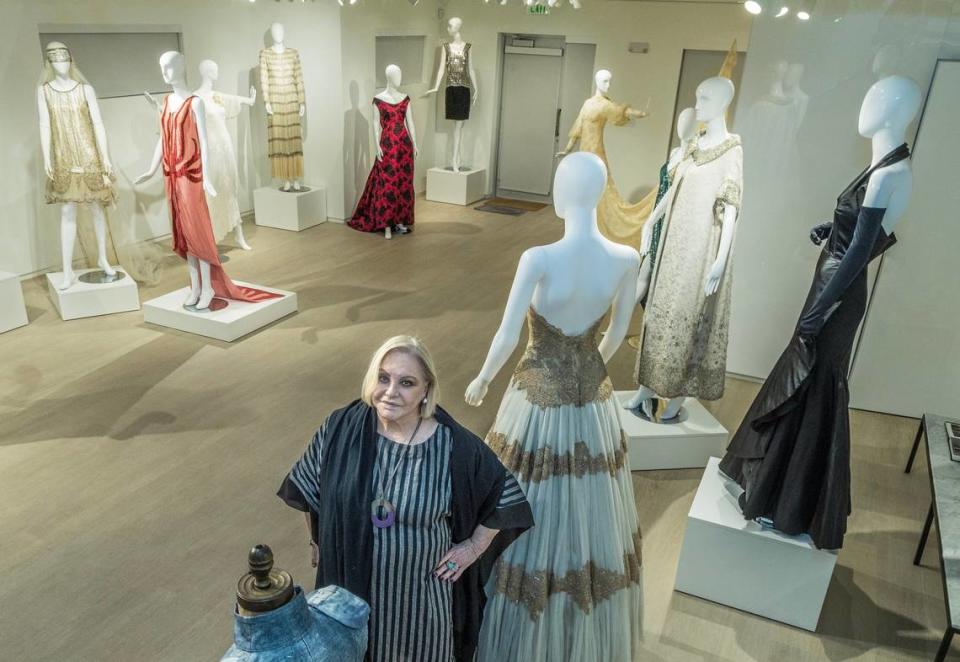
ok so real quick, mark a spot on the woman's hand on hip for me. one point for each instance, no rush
(460, 557)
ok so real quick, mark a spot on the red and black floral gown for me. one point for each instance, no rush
(387, 199)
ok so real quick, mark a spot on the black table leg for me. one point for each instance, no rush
(944, 645)
(923, 538)
(916, 445)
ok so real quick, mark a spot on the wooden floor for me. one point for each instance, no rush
(138, 464)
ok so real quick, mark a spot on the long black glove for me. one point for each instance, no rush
(820, 233)
(853, 262)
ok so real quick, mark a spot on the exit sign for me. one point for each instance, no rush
(538, 10)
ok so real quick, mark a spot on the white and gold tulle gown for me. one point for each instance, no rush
(222, 161)
(570, 588)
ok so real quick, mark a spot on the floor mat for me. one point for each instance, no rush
(500, 209)
(519, 204)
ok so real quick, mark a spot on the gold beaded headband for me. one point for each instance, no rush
(59, 54)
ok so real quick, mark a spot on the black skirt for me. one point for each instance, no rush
(458, 102)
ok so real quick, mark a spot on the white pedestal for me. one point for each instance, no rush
(729, 560)
(92, 299)
(289, 210)
(238, 319)
(13, 312)
(685, 445)
(455, 188)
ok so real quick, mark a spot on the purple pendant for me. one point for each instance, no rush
(382, 522)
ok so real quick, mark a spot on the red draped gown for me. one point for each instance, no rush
(192, 229)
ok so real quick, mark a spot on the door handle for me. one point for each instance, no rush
(556, 127)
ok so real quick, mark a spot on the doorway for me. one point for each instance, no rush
(543, 82)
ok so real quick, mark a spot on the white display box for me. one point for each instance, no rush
(738, 563)
(685, 445)
(238, 319)
(92, 299)
(289, 210)
(13, 312)
(455, 188)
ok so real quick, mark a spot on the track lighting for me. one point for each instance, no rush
(753, 7)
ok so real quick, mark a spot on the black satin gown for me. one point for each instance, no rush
(791, 453)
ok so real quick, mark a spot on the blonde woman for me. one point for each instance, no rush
(407, 509)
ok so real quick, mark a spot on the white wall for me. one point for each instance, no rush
(790, 186)
(636, 152)
(230, 32)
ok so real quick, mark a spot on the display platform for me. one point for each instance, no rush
(235, 320)
(687, 444)
(738, 563)
(85, 299)
(455, 188)
(13, 312)
(290, 210)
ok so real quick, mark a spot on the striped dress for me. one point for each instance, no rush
(281, 83)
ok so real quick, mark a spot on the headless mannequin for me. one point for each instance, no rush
(573, 281)
(68, 210)
(277, 34)
(457, 44)
(209, 74)
(172, 68)
(713, 98)
(392, 95)
(686, 131)
(601, 81)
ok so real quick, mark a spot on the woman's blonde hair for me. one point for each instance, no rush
(414, 347)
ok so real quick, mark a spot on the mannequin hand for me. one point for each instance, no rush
(560, 155)
(303, 109)
(253, 95)
(476, 95)
(819, 233)
(208, 187)
(379, 153)
(712, 282)
(153, 101)
(107, 167)
(416, 152)
(142, 178)
(429, 92)
(476, 391)
(643, 282)
(314, 555)
(269, 108)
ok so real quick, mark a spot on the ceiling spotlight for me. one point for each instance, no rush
(753, 7)
(806, 9)
(803, 15)
(783, 12)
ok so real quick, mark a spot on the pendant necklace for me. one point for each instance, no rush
(381, 501)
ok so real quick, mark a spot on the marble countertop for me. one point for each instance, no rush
(945, 480)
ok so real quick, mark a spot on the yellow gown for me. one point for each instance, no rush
(618, 220)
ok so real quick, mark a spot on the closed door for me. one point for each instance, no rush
(529, 101)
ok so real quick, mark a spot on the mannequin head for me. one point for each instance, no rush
(890, 103)
(686, 125)
(276, 33)
(602, 80)
(394, 75)
(58, 61)
(578, 183)
(454, 25)
(209, 70)
(171, 66)
(713, 97)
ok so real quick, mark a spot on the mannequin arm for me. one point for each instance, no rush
(298, 77)
(646, 235)
(441, 71)
(99, 132)
(473, 80)
(408, 120)
(44, 117)
(623, 304)
(199, 114)
(529, 272)
(377, 129)
(265, 83)
(154, 163)
(250, 100)
(723, 250)
(574, 135)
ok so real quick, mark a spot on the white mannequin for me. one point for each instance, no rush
(454, 26)
(209, 74)
(714, 96)
(601, 82)
(571, 282)
(392, 95)
(174, 74)
(686, 131)
(277, 34)
(68, 211)
(889, 106)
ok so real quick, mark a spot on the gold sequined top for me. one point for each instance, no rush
(458, 66)
(557, 369)
(73, 146)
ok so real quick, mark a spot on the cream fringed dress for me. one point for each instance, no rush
(570, 588)
(618, 220)
(684, 347)
(281, 82)
(222, 161)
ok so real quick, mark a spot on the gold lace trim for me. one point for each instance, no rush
(587, 586)
(729, 194)
(544, 463)
(557, 369)
(702, 156)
